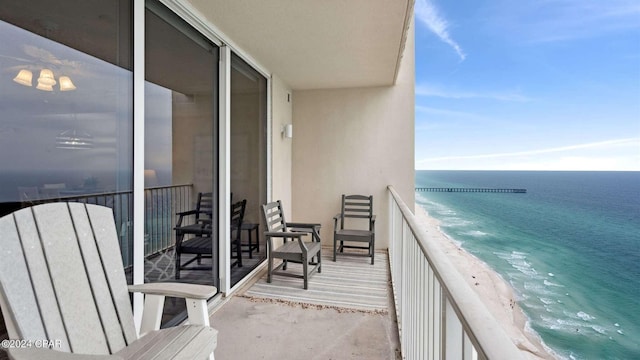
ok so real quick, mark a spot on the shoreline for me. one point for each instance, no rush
(497, 295)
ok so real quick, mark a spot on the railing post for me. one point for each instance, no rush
(405, 297)
(438, 324)
(453, 334)
(469, 352)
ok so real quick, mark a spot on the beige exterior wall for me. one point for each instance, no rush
(355, 140)
(281, 148)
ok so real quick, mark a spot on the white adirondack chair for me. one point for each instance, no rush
(62, 281)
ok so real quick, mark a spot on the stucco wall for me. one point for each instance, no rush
(281, 148)
(356, 140)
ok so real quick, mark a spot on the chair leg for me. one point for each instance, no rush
(373, 249)
(257, 241)
(320, 261)
(250, 245)
(239, 251)
(177, 265)
(334, 248)
(305, 269)
(269, 268)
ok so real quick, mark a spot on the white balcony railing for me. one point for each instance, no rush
(439, 315)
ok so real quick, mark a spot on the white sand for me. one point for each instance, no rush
(496, 294)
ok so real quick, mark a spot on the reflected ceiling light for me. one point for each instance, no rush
(66, 84)
(46, 77)
(24, 77)
(44, 87)
(72, 139)
(46, 80)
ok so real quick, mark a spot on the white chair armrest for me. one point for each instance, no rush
(180, 290)
(195, 296)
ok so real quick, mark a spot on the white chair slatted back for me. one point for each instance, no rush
(62, 278)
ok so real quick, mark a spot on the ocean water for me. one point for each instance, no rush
(570, 248)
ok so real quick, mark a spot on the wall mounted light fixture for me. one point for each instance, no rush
(287, 131)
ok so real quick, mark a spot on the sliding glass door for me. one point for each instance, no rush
(181, 86)
(248, 163)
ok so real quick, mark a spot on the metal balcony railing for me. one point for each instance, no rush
(439, 315)
(161, 205)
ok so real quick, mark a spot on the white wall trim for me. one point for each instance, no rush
(138, 155)
(269, 140)
(224, 169)
(195, 18)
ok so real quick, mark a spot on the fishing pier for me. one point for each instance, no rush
(471, 190)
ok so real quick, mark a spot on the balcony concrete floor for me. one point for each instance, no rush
(263, 328)
(254, 328)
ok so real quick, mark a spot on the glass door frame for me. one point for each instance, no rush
(224, 144)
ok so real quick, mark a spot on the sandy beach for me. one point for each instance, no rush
(496, 294)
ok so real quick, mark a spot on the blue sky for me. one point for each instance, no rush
(528, 85)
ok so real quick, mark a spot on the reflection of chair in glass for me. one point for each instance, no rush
(250, 228)
(200, 227)
(59, 186)
(201, 215)
(52, 191)
(28, 194)
(51, 194)
(202, 246)
(237, 216)
(65, 283)
(297, 251)
(355, 207)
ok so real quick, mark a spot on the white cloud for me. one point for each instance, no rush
(572, 157)
(578, 163)
(455, 118)
(428, 14)
(430, 110)
(429, 90)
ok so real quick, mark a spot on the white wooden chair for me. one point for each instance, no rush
(62, 281)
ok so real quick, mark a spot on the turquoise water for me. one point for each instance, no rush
(570, 247)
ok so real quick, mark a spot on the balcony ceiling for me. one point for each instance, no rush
(313, 44)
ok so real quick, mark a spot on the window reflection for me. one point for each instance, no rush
(65, 95)
(248, 160)
(180, 157)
